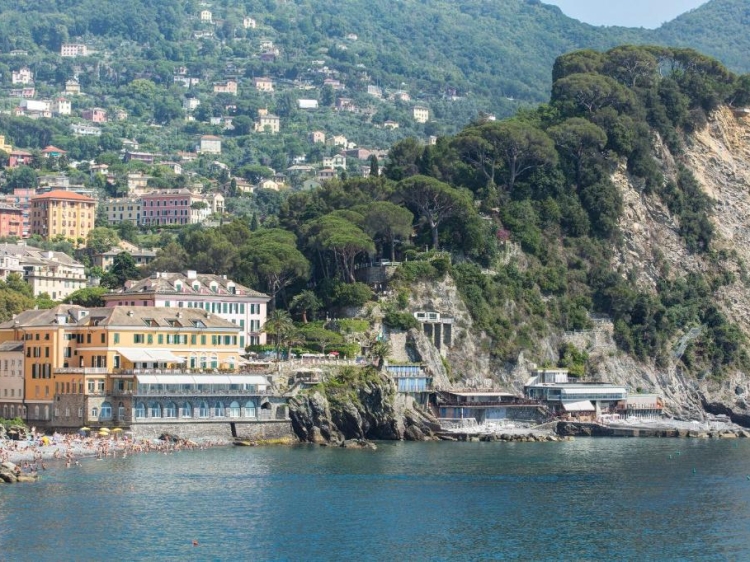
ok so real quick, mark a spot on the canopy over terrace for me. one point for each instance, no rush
(200, 384)
(151, 355)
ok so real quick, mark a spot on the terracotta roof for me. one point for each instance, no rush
(62, 194)
(120, 316)
(51, 148)
(165, 283)
(210, 137)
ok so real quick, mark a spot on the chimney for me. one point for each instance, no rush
(191, 274)
(179, 315)
(130, 313)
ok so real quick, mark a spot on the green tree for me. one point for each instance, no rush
(344, 239)
(279, 324)
(102, 239)
(434, 201)
(89, 297)
(123, 268)
(578, 139)
(389, 223)
(305, 302)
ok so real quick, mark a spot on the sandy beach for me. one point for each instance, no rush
(70, 449)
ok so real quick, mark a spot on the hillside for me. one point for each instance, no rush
(718, 28)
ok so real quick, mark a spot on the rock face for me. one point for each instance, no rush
(719, 157)
(10, 474)
(366, 409)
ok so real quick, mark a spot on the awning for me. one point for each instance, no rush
(135, 354)
(582, 406)
(252, 380)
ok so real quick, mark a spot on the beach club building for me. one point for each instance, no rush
(191, 290)
(129, 365)
(582, 400)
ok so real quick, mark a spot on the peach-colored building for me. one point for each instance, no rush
(11, 221)
(95, 115)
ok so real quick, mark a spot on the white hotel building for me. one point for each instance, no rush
(216, 294)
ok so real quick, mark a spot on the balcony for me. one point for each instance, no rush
(81, 371)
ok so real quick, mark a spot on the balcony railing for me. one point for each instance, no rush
(81, 371)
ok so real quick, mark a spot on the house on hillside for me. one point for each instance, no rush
(209, 144)
(263, 84)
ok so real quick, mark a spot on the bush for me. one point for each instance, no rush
(400, 320)
(352, 294)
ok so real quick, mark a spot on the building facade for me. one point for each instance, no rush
(62, 213)
(11, 221)
(11, 380)
(242, 306)
(87, 365)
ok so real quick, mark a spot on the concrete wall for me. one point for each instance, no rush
(215, 430)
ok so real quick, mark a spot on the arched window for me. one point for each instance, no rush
(186, 411)
(204, 361)
(5, 411)
(250, 409)
(231, 362)
(94, 413)
(106, 412)
(46, 412)
(121, 411)
(234, 409)
(203, 410)
(13, 411)
(214, 361)
(170, 410)
(154, 410)
(193, 362)
(140, 410)
(219, 411)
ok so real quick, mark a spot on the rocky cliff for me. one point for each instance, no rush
(358, 404)
(719, 158)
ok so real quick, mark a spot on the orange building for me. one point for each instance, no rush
(62, 213)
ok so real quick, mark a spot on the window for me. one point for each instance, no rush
(186, 411)
(193, 339)
(203, 410)
(203, 339)
(234, 409)
(151, 338)
(94, 413)
(138, 338)
(106, 411)
(140, 410)
(154, 410)
(219, 410)
(170, 410)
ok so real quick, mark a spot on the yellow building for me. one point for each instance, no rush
(79, 361)
(7, 148)
(64, 213)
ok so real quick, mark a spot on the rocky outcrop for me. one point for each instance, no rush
(365, 408)
(11, 473)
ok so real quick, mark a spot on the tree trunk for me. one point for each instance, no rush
(434, 228)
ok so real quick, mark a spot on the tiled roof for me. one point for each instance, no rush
(166, 284)
(62, 194)
(120, 316)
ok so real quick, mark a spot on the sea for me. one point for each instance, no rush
(588, 499)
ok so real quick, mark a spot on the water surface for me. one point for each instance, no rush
(590, 499)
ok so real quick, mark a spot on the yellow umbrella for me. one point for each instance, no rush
(104, 433)
(103, 430)
(85, 429)
(117, 430)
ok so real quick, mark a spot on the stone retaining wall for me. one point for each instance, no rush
(255, 430)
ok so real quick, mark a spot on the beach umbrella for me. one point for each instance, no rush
(85, 429)
(103, 430)
(117, 430)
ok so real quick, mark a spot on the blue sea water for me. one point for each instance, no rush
(590, 499)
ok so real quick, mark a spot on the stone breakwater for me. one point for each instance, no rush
(597, 430)
(518, 437)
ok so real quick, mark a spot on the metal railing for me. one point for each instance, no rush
(80, 371)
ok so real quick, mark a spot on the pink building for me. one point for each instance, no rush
(11, 221)
(168, 206)
(95, 115)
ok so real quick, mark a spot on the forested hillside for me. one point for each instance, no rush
(484, 51)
